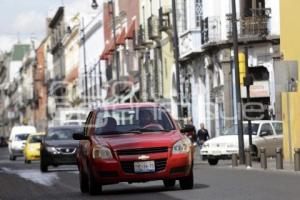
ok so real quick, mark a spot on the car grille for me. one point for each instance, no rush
(128, 166)
(66, 150)
(142, 151)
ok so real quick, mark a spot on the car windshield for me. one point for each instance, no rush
(64, 133)
(234, 129)
(21, 137)
(35, 138)
(133, 120)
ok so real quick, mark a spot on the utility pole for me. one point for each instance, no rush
(84, 61)
(176, 56)
(237, 84)
(116, 58)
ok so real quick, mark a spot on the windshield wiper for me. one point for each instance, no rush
(118, 132)
(148, 130)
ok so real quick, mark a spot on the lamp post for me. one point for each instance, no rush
(176, 55)
(116, 57)
(84, 62)
(237, 84)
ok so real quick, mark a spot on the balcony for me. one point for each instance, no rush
(164, 19)
(153, 28)
(252, 27)
(190, 43)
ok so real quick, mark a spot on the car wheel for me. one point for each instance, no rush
(27, 161)
(44, 166)
(169, 183)
(12, 157)
(187, 183)
(94, 187)
(83, 181)
(213, 161)
(255, 153)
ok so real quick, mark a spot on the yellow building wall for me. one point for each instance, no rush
(168, 65)
(290, 47)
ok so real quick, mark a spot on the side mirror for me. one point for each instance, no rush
(264, 133)
(80, 136)
(187, 128)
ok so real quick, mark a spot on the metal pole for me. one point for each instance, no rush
(116, 58)
(263, 158)
(248, 157)
(100, 81)
(248, 98)
(279, 158)
(176, 55)
(234, 160)
(84, 62)
(237, 81)
(297, 159)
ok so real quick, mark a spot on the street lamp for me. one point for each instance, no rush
(116, 58)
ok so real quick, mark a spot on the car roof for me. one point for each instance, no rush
(129, 105)
(263, 121)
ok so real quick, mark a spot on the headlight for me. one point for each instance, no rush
(51, 149)
(205, 145)
(231, 146)
(103, 153)
(182, 146)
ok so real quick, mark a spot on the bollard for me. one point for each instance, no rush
(248, 158)
(297, 159)
(279, 158)
(234, 160)
(263, 158)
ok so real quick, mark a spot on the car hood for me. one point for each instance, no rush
(144, 140)
(229, 139)
(62, 143)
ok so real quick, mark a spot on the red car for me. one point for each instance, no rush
(137, 142)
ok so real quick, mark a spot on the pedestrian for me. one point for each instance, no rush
(202, 135)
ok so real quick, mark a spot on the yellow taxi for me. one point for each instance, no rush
(32, 147)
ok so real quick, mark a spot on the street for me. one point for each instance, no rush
(20, 181)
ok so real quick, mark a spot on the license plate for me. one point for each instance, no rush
(144, 167)
(216, 152)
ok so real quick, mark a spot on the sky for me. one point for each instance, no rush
(24, 19)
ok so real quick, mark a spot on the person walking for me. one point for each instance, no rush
(202, 135)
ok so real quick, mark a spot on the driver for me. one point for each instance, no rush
(147, 120)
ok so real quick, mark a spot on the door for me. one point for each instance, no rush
(267, 138)
(277, 126)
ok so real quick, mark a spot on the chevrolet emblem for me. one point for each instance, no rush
(143, 157)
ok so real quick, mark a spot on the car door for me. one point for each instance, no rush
(278, 138)
(267, 138)
(84, 144)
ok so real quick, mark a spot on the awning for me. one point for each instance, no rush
(130, 31)
(121, 37)
(72, 75)
(104, 54)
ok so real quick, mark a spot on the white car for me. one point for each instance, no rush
(267, 134)
(17, 140)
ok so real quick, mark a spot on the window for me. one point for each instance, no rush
(132, 119)
(278, 128)
(198, 13)
(266, 129)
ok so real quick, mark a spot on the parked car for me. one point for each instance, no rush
(17, 140)
(32, 147)
(136, 142)
(267, 134)
(58, 147)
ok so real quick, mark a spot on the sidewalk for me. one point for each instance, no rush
(271, 164)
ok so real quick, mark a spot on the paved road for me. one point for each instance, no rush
(20, 181)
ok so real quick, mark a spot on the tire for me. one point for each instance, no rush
(213, 161)
(83, 182)
(43, 166)
(94, 188)
(187, 183)
(255, 153)
(169, 183)
(12, 157)
(27, 161)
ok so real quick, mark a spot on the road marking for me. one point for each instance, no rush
(46, 179)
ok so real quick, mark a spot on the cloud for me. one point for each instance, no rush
(29, 22)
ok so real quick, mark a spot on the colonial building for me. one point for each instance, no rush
(207, 61)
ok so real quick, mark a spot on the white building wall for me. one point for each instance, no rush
(275, 16)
